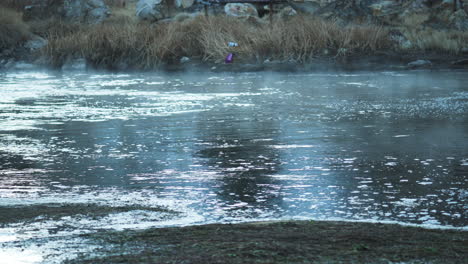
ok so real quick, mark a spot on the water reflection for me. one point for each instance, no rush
(244, 159)
(380, 146)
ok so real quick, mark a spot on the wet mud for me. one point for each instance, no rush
(282, 242)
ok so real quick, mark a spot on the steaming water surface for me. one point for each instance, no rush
(378, 146)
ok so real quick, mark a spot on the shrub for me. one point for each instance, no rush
(12, 29)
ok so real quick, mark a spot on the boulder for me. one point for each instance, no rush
(184, 3)
(74, 65)
(450, 3)
(35, 43)
(287, 12)
(184, 60)
(240, 10)
(151, 10)
(400, 40)
(320, 3)
(42, 9)
(459, 20)
(305, 7)
(420, 64)
(384, 8)
(86, 11)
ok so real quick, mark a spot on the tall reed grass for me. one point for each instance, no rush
(446, 41)
(143, 45)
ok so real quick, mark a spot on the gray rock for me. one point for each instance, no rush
(306, 7)
(9, 64)
(151, 10)
(184, 60)
(401, 41)
(74, 65)
(85, 11)
(406, 44)
(186, 16)
(385, 7)
(420, 64)
(240, 10)
(42, 10)
(35, 43)
(21, 65)
(463, 62)
(460, 20)
(89, 11)
(449, 4)
(287, 12)
(184, 3)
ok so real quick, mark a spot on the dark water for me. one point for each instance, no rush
(386, 146)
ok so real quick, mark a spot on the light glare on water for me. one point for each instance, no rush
(380, 146)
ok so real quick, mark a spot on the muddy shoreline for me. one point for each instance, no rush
(280, 242)
(23, 59)
(388, 61)
(55, 211)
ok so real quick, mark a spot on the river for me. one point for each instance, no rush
(229, 147)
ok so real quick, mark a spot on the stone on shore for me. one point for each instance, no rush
(151, 10)
(35, 43)
(240, 10)
(84, 11)
(459, 20)
(419, 64)
(287, 12)
(184, 3)
(90, 11)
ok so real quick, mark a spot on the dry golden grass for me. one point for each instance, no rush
(415, 20)
(143, 45)
(122, 11)
(12, 29)
(452, 41)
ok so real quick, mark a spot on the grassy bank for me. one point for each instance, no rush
(144, 45)
(123, 42)
(283, 242)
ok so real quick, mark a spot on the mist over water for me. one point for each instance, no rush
(222, 147)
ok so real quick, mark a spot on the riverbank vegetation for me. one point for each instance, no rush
(281, 242)
(123, 42)
(146, 46)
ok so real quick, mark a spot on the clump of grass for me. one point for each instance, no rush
(55, 27)
(450, 41)
(142, 45)
(12, 29)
